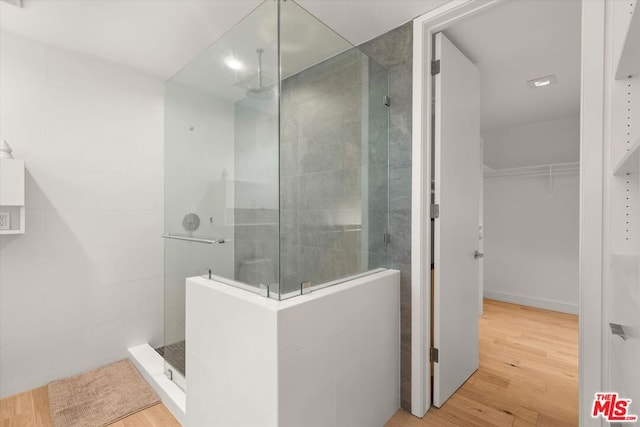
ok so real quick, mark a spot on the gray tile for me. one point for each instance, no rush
(317, 228)
(400, 187)
(400, 229)
(289, 267)
(378, 188)
(267, 233)
(392, 47)
(289, 158)
(351, 144)
(331, 190)
(317, 265)
(346, 263)
(401, 87)
(349, 238)
(267, 216)
(289, 192)
(245, 216)
(399, 141)
(289, 227)
(378, 226)
(244, 232)
(244, 251)
(378, 260)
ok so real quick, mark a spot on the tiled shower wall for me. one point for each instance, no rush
(306, 199)
(255, 190)
(325, 167)
(333, 176)
(394, 51)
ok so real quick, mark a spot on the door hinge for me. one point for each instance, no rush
(435, 67)
(387, 237)
(386, 100)
(434, 355)
(435, 211)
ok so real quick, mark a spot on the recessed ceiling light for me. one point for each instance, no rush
(233, 63)
(542, 81)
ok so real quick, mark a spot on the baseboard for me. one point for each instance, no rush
(545, 304)
(151, 366)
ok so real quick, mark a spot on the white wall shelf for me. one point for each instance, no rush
(10, 232)
(12, 194)
(630, 162)
(621, 293)
(629, 60)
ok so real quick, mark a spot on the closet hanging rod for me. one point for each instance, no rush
(550, 170)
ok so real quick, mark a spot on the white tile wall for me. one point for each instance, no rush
(85, 281)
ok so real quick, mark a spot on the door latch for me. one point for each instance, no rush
(478, 255)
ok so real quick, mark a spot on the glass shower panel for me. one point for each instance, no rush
(333, 156)
(221, 171)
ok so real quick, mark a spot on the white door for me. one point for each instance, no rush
(456, 173)
(481, 233)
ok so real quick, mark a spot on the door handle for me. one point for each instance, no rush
(478, 255)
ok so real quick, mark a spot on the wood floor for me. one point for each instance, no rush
(528, 373)
(528, 376)
(31, 409)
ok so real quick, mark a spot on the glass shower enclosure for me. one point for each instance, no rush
(276, 164)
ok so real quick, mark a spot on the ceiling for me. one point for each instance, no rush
(517, 41)
(510, 43)
(160, 36)
(304, 41)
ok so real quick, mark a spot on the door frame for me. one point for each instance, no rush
(591, 352)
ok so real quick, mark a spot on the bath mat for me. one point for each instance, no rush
(100, 397)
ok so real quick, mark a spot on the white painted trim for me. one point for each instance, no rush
(421, 233)
(423, 29)
(151, 366)
(592, 102)
(545, 304)
(591, 197)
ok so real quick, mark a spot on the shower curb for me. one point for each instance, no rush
(151, 366)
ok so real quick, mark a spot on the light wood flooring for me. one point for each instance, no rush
(528, 373)
(528, 376)
(31, 409)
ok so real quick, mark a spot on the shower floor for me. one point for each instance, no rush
(175, 355)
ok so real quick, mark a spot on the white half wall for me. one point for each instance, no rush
(328, 359)
(531, 241)
(85, 281)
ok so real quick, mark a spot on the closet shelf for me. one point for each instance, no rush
(630, 162)
(629, 60)
(532, 171)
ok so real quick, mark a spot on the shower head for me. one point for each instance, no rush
(261, 90)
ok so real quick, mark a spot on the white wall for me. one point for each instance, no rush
(85, 281)
(538, 143)
(531, 241)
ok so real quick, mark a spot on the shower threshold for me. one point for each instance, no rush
(175, 358)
